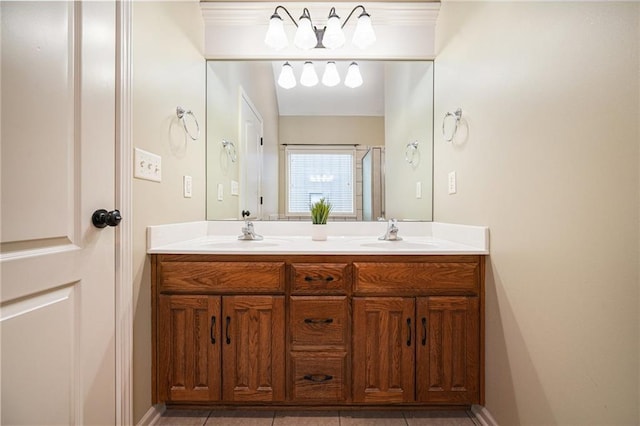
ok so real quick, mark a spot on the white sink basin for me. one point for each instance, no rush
(400, 245)
(243, 244)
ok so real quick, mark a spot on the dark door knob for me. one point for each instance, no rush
(102, 218)
(246, 213)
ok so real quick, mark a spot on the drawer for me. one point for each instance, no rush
(236, 277)
(311, 278)
(317, 321)
(415, 278)
(318, 377)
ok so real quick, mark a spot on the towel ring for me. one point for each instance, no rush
(410, 153)
(230, 148)
(457, 115)
(181, 113)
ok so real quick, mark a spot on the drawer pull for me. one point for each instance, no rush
(318, 320)
(327, 279)
(408, 331)
(424, 331)
(227, 331)
(318, 378)
(212, 331)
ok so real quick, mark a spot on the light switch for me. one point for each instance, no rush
(234, 187)
(147, 165)
(187, 184)
(220, 192)
(418, 189)
(453, 185)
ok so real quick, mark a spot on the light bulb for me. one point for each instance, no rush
(275, 37)
(353, 78)
(286, 80)
(305, 37)
(363, 36)
(309, 77)
(330, 77)
(333, 35)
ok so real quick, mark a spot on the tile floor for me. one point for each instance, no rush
(315, 418)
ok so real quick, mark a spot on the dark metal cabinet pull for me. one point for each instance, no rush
(227, 330)
(408, 331)
(327, 279)
(318, 378)
(424, 331)
(318, 320)
(212, 331)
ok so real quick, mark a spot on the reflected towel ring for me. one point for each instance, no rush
(181, 113)
(457, 115)
(230, 148)
(411, 154)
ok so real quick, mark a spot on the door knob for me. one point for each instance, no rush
(246, 213)
(102, 218)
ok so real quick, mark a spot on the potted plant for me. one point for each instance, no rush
(319, 214)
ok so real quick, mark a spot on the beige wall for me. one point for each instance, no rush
(168, 70)
(550, 94)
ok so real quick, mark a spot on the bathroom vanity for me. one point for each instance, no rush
(289, 328)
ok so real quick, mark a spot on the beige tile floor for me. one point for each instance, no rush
(314, 418)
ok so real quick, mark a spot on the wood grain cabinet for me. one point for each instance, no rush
(311, 330)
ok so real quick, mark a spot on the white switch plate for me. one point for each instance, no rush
(147, 166)
(453, 185)
(220, 192)
(187, 186)
(418, 189)
(234, 187)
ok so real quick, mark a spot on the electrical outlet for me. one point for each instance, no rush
(234, 187)
(418, 189)
(453, 184)
(147, 165)
(220, 192)
(187, 186)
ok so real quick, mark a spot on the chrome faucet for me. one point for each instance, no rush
(248, 233)
(392, 231)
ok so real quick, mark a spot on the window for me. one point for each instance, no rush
(320, 171)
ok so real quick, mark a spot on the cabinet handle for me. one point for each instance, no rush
(212, 331)
(327, 279)
(318, 320)
(424, 331)
(318, 378)
(227, 330)
(408, 331)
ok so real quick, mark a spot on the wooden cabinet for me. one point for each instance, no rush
(307, 330)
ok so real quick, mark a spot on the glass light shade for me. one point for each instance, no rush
(353, 78)
(287, 80)
(305, 37)
(331, 77)
(364, 36)
(309, 77)
(276, 37)
(333, 35)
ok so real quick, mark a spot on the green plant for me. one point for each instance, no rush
(320, 211)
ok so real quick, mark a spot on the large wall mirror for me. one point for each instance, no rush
(272, 150)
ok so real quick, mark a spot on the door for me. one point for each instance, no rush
(57, 303)
(447, 359)
(252, 353)
(383, 349)
(189, 348)
(250, 158)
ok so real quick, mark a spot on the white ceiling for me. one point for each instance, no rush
(366, 100)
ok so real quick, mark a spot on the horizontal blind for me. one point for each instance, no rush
(320, 173)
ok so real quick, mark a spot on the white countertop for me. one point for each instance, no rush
(221, 237)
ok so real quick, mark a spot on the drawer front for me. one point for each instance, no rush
(318, 377)
(236, 277)
(319, 321)
(311, 278)
(416, 278)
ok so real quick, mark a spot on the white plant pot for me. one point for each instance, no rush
(318, 232)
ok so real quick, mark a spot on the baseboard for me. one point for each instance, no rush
(483, 415)
(152, 416)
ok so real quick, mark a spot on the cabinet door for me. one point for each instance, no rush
(383, 349)
(447, 354)
(189, 348)
(253, 351)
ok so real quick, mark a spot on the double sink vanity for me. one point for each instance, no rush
(291, 322)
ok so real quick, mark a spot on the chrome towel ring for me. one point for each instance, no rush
(457, 115)
(182, 113)
(230, 148)
(411, 154)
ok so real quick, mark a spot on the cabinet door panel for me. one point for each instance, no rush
(189, 348)
(253, 355)
(448, 350)
(383, 349)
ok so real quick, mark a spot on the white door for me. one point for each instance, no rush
(57, 302)
(250, 158)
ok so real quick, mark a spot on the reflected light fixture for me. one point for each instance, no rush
(353, 78)
(308, 36)
(330, 77)
(309, 78)
(286, 79)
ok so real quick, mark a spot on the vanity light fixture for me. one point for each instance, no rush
(309, 77)
(308, 36)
